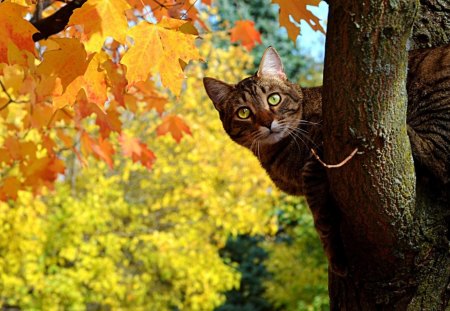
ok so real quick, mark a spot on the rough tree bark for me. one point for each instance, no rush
(432, 27)
(394, 232)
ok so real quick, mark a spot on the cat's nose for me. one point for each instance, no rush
(267, 123)
(265, 120)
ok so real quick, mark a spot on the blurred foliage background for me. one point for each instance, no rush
(205, 229)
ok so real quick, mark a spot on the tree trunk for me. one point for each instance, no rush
(432, 27)
(394, 233)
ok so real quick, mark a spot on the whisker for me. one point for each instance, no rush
(296, 142)
(304, 135)
(301, 133)
(306, 122)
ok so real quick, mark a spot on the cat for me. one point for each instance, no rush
(280, 122)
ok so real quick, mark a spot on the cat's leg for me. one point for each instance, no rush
(326, 215)
(431, 152)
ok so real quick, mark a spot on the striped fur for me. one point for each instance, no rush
(428, 116)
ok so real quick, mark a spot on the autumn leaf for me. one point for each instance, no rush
(130, 145)
(175, 9)
(101, 19)
(95, 80)
(42, 172)
(108, 119)
(137, 150)
(116, 80)
(298, 11)
(101, 149)
(67, 62)
(40, 115)
(9, 188)
(245, 32)
(14, 28)
(157, 49)
(175, 126)
(92, 81)
(20, 150)
(152, 98)
(12, 77)
(104, 150)
(70, 94)
(17, 56)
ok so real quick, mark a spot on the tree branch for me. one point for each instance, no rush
(55, 22)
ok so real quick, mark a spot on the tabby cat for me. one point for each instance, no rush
(280, 122)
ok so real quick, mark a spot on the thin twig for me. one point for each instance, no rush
(334, 165)
(10, 99)
(6, 92)
(185, 14)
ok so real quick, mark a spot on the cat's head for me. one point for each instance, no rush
(259, 110)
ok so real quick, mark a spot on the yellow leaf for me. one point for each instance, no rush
(70, 94)
(14, 28)
(12, 78)
(68, 62)
(47, 86)
(19, 56)
(92, 81)
(298, 11)
(95, 80)
(157, 49)
(102, 19)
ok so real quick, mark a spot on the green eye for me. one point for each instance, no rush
(274, 99)
(243, 113)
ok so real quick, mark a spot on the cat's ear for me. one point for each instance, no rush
(271, 65)
(217, 91)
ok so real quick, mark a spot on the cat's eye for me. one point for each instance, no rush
(244, 113)
(274, 99)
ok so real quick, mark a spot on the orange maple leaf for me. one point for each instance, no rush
(151, 96)
(14, 28)
(175, 126)
(158, 49)
(130, 145)
(108, 119)
(116, 80)
(9, 188)
(40, 115)
(298, 11)
(42, 172)
(102, 19)
(67, 62)
(137, 150)
(178, 9)
(101, 149)
(20, 150)
(245, 32)
(92, 81)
